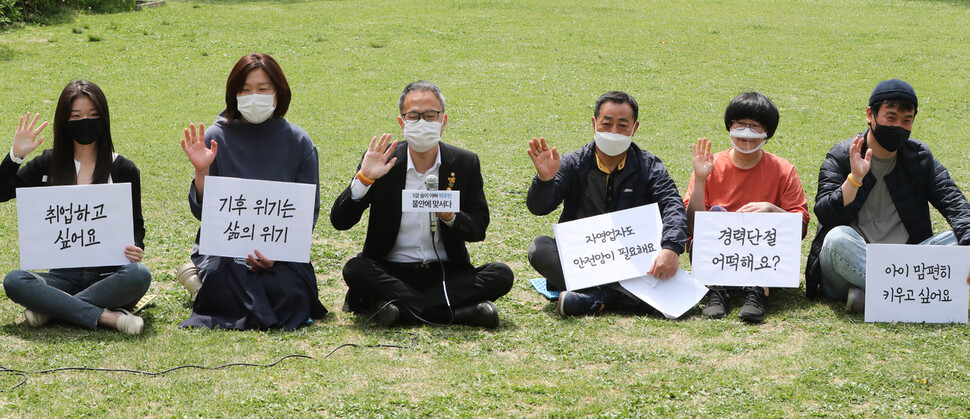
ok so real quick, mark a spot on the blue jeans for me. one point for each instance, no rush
(843, 259)
(78, 295)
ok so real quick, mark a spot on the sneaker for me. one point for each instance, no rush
(718, 303)
(483, 314)
(388, 314)
(755, 301)
(573, 303)
(129, 323)
(188, 276)
(35, 319)
(856, 301)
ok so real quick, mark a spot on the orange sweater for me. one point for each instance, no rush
(773, 180)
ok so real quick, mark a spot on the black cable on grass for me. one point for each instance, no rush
(24, 374)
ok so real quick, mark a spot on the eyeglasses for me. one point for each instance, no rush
(429, 116)
(753, 125)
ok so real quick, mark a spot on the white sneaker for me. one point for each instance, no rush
(35, 319)
(188, 276)
(129, 323)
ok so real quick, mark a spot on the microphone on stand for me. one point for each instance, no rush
(431, 183)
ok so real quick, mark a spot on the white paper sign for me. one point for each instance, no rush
(609, 247)
(916, 283)
(747, 248)
(243, 215)
(430, 201)
(672, 296)
(74, 226)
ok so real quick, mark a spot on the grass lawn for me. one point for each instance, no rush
(510, 70)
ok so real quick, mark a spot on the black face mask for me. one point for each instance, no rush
(890, 137)
(85, 131)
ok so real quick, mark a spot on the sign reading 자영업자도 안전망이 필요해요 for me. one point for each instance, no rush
(609, 247)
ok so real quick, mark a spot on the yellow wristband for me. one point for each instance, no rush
(854, 183)
(364, 179)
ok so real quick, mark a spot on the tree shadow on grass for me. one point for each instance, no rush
(453, 332)
(59, 330)
(963, 3)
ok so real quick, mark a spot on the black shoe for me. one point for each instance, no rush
(856, 301)
(718, 304)
(573, 303)
(387, 313)
(755, 301)
(483, 314)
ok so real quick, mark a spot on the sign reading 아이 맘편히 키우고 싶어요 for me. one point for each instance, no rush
(243, 215)
(74, 226)
(914, 283)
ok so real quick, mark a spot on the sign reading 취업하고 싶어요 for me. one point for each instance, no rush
(74, 226)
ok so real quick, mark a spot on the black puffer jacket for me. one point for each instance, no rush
(916, 181)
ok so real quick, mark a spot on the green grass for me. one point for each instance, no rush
(510, 70)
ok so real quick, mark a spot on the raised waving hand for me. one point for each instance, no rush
(377, 160)
(25, 139)
(545, 159)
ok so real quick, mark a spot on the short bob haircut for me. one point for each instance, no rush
(237, 79)
(62, 170)
(617, 96)
(752, 105)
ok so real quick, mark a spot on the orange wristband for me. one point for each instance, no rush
(366, 181)
(854, 183)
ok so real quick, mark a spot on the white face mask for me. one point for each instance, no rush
(422, 135)
(746, 132)
(612, 143)
(256, 108)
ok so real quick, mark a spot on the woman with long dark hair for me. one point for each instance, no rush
(251, 140)
(82, 154)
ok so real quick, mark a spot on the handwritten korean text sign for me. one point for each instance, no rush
(751, 248)
(912, 283)
(609, 247)
(74, 226)
(243, 215)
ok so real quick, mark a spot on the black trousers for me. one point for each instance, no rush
(544, 257)
(419, 286)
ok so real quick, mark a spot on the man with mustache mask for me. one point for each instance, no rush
(875, 188)
(410, 269)
(611, 173)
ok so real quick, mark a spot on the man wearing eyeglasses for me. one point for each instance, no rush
(875, 188)
(412, 268)
(611, 173)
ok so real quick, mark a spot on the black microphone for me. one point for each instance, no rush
(431, 183)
